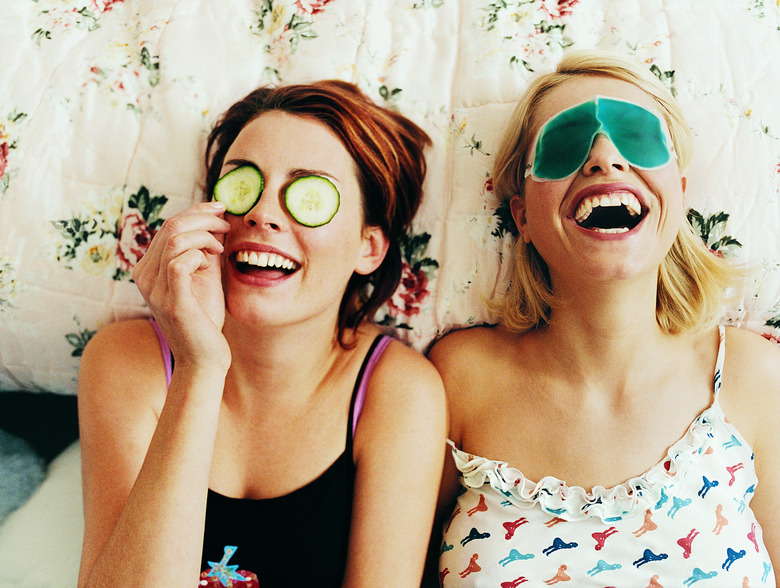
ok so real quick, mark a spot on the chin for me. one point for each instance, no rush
(241, 310)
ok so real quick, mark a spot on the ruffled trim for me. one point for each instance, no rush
(572, 503)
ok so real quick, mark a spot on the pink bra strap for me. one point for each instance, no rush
(360, 396)
(166, 351)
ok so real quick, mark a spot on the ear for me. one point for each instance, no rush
(374, 248)
(684, 185)
(517, 206)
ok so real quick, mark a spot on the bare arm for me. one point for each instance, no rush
(444, 507)
(753, 404)
(399, 449)
(145, 478)
(144, 510)
(447, 356)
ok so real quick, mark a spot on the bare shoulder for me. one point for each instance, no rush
(123, 356)
(399, 443)
(752, 403)
(751, 387)
(121, 391)
(470, 361)
(122, 388)
(751, 360)
(455, 353)
(124, 334)
(407, 375)
(470, 358)
(469, 337)
(405, 393)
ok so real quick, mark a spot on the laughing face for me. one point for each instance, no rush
(275, 269)
(609, 219)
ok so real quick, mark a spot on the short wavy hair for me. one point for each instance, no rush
(691, 281)
(389, 154)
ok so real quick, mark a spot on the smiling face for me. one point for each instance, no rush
(276, 270)
(609, 220)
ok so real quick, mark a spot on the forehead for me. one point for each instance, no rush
(292, 140)
(583, 88)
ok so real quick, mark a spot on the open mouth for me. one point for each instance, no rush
(255, 262)
(618, 212)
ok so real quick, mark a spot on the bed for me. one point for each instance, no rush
(105, 106)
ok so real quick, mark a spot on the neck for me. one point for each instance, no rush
(278, 362)
(605, 331)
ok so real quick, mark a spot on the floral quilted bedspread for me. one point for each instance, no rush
(105, 106)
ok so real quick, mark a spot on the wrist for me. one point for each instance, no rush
(212, 372)
(211, 363)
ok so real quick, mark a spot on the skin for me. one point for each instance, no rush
(253, 354)
(589, 372)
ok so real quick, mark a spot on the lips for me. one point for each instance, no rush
(611, 208)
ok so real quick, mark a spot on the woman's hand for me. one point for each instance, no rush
(180, 278)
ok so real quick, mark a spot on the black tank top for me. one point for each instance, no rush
(301, 538)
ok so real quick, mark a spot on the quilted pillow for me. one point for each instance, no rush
(105, 106)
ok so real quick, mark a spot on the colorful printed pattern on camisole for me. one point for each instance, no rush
(685, 522)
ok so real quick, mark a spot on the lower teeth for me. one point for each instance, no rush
(616, 230)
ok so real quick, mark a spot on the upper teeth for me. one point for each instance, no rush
(264, 259)
(626, 199)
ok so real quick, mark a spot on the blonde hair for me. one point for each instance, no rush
(691, 279)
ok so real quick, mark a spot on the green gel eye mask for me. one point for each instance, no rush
(311, 200)
(563, 143)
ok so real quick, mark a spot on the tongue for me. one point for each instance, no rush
(607, 217)
(266, 272)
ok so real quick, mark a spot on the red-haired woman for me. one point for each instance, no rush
(260, 413)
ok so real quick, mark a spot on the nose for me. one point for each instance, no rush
(604, 158)
(268, 212)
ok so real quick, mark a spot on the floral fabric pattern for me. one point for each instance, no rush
(105, 106)
(416, 274)
(283, 26)
(710, 229)
(8, 144)
(110, 242)
(537, 28)
(9, 285)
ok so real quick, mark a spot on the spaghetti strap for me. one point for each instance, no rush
(720, 359)
(378, 347)
(372, 358)
(166, 351)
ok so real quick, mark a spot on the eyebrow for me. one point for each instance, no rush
(295, 173)
(302, 173)
(240, 162)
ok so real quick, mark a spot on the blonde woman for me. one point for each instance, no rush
(607, 431)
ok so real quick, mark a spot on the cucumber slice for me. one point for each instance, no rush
(239, 189)
(312, 200)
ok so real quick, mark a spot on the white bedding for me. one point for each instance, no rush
(105, 107)
(40, 543)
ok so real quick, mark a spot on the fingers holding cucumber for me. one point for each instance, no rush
(199, 227)
(180, 278)
(311, 200)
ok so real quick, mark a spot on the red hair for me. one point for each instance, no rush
(388, 150)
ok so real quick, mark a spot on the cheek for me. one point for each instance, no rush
(668, 185)
(542, 205)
